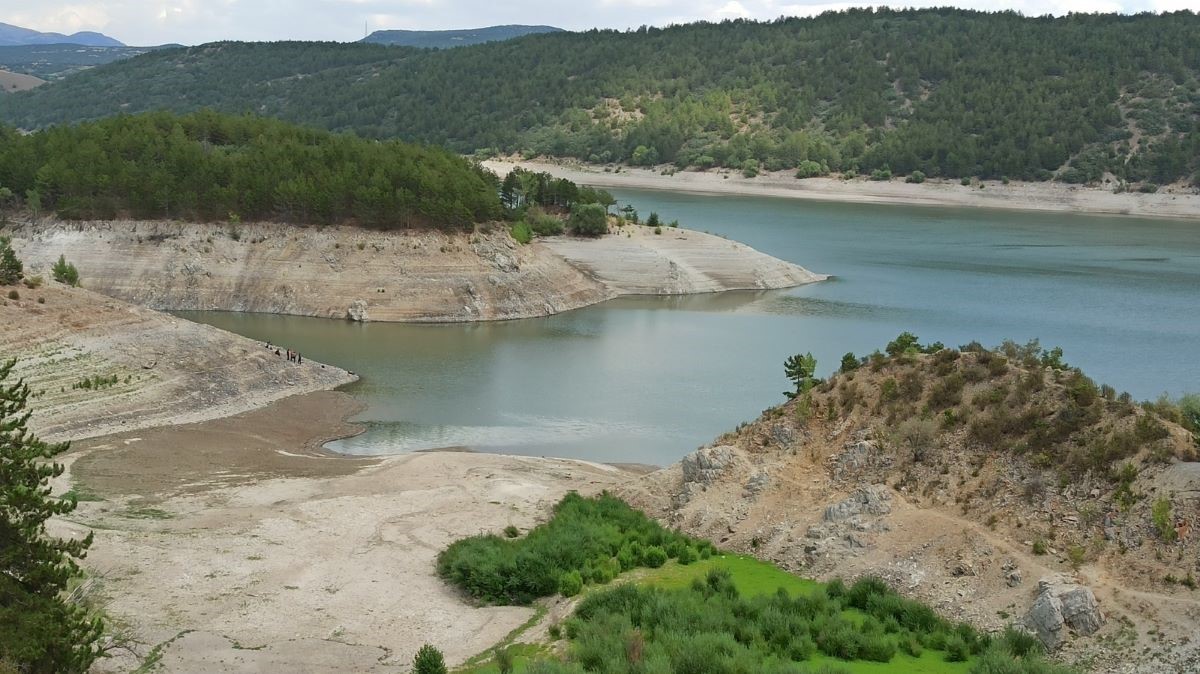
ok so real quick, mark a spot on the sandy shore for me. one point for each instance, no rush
(1169, 202)
(233, 546)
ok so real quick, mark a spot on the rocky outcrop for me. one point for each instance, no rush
(359, 274)
(1063, 607)
(706, 465)
(872, 500)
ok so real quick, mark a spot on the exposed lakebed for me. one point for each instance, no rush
(649, 379)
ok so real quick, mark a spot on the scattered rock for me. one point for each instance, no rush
(358, 311)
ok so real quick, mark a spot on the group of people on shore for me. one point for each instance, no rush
(292, 356)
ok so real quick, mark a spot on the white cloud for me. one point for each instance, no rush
(193, 21)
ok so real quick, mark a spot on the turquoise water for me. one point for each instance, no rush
(649, 379)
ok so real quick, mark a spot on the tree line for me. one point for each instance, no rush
(207, 166)
(947, 92)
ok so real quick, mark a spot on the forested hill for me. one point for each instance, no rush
(445, 39)
(207, 166)
(946, 92)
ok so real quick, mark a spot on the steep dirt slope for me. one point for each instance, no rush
(347, 272)
(97, 365)
(966, 479)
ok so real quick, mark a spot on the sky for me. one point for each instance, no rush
(151, 22)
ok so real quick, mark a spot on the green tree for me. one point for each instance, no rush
(33, 199)
(588, 220)
(849, 362)
(800, 369)
(40, 629)
(429, 660)
(65, 272)
(11, 269)
(653, 220)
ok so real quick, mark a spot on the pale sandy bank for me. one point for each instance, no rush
(1167, 202)
(98, 365)
(233, 547)
(367, 275)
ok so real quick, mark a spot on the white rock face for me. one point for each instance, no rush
(703, 466)
(1063, 606)
(872, 500)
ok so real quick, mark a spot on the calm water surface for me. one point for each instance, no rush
(649, 379)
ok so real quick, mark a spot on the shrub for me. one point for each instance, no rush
(10, 267)
(809, 169)
(881, 174)
(504, 660)
(1039, 546)
(65, 272)
(947, 392)
(429, 660)
(750, 168)
(957, 649)
(905, 342)
(915, 177)
(521, 232)
(580, 537)
(588, 220)
(570, 584)
(1161, 515)
(33, 282)
(14, 295)
(542, 223)
(686, 555)
(654, 557)
(511, 531)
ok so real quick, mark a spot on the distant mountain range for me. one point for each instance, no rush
(15, 35)
(443, 39)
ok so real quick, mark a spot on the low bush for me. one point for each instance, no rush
(593, 537)
(521, 232)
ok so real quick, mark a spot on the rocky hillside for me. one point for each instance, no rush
(368, 275)
(1002, 486)
(97, 365)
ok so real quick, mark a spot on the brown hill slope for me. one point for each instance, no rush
(965, 478)
(12, 82)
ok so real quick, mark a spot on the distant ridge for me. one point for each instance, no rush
(16, 36)
(443, 39)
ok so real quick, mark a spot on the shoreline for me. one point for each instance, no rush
(406, 276)
(1168, 203)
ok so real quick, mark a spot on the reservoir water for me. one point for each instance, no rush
(649, 379)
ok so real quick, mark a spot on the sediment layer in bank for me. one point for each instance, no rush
(368, 275)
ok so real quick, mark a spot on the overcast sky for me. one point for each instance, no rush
(148, 22)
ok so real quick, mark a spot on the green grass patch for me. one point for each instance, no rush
(752, 577)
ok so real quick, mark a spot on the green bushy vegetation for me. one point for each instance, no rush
(41, 628)
(11, 268)
(946, 92)
(589, 540)
(65, 272)
(1023, 399)
(710, 626)
(206, 166)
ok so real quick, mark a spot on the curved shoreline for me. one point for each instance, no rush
(1169, 202)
